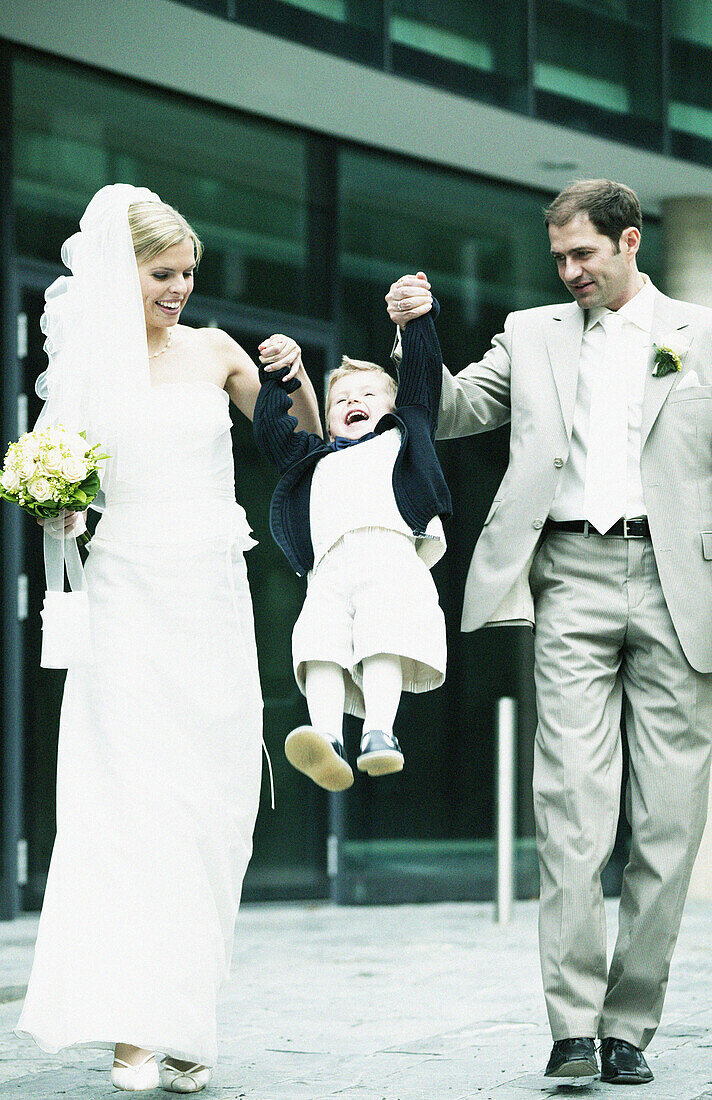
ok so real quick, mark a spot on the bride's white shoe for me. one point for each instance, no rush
(192, 1079)
(139, 1078)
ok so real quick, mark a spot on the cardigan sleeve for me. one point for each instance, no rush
(420, 373)
(273, 427)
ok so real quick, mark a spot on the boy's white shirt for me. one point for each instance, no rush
(353, 488)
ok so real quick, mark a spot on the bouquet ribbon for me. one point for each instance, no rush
(66, 633)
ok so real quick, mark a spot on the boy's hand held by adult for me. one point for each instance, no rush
(279, 352)
(408, 297)
(281, 357)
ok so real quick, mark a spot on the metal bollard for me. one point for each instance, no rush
(334, 847)
(506, 806)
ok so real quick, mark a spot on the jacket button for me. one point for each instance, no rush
(558, 462)
(538, 524)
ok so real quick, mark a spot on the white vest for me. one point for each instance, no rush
(353, 488)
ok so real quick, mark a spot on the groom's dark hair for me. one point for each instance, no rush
(612, 207)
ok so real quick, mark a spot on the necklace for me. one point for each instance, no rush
(165, 346)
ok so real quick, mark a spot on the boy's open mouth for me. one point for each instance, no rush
(355, 415)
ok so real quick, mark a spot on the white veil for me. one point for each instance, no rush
(97, 381)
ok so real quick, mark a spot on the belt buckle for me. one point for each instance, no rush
(626, 535)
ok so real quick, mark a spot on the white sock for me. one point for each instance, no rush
(382, 686)
(325, 691)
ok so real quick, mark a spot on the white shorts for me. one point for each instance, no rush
(372, 593)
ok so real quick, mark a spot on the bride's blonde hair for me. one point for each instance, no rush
(156, 226)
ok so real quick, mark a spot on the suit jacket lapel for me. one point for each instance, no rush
(666, 320)
(563, 341)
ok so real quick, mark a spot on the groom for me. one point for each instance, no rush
(601, 532)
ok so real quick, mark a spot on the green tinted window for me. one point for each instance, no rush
(242, 184)
(462, 31)
(458, 44)
(690, 108)
(604, 53)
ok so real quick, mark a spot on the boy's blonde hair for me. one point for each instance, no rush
(353, 366)
(156, 226)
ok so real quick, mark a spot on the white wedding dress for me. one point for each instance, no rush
(159, 755)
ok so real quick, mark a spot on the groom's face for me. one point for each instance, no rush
(594, 271)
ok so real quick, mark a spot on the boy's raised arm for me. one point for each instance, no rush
(274, 427)
(420, 373)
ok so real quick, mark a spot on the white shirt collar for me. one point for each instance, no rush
(639, 310)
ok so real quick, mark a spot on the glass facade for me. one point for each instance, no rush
(458, 44)
(353, 28)
(597, 66)
(690, 108)
(243, 186)
(304, 235)
(632, 70)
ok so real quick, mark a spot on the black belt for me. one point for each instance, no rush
(621, 529)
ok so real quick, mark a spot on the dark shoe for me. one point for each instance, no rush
(574, 1059)
(320, 756)
(623, 1064)
(380, 754)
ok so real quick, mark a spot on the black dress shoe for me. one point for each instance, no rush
(623, 1064)
(380, 753)
(573, 1058)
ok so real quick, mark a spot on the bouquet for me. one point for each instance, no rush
(50, 471)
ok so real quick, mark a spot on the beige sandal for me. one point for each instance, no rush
(192, 1079)
(135, 1078)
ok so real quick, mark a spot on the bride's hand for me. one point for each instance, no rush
(279, 351)
(66, 524)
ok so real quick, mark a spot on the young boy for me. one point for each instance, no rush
(360, 514)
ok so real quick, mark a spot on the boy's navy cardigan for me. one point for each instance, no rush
(418, 483)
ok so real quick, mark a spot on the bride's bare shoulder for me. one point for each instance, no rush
(221, 344)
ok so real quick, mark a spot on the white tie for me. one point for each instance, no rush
(606, 460)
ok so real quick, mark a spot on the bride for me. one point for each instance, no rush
(160, 734)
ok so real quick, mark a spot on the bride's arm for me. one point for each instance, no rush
(242, 380)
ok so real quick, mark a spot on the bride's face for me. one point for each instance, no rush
(166, 284)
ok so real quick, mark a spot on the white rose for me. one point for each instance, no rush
(674, 343)
(56, 436)
(10, 480)
(52, 460)
(74, 469)
(27, 467)
(40, 489)
(30, 443)
(77, 444)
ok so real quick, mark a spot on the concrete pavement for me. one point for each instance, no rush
(429, 1002)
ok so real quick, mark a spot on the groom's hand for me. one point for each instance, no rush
(409, 297)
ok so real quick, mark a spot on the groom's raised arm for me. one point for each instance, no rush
(478, 398)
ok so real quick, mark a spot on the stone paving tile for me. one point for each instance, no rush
(403, 1003)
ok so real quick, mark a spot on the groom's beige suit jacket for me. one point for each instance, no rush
(529, 377)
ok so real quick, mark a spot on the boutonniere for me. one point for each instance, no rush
(668, 358)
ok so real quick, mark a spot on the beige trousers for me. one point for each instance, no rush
(604, 639)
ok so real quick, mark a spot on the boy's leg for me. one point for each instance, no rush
(325, 692)
(382, 686)
(317, 750)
